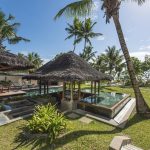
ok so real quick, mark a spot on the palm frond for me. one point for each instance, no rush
(17, 39)
(140, 2)
(79, 8)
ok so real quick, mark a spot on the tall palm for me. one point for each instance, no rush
(88, 54)
(111, 9)
(87, 32)
(8, 30)
(73, 30)
(112, 58)
(35, 59)
(100, 63)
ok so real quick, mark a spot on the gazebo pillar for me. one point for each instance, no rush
(63, 93)
(40, 86)
(71, 92)
(98, 87)
(47, 88)
(94, 87)
(79, 91)
(91, 87)
(44, 88)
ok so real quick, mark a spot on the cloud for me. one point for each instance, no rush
(126, 39)
(144, 47)
(100, 38)
(24, 52)
(95, 9)
(140, 55)
(45, 60)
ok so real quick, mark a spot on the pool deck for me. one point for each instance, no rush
(37, 88)
(12, 93)
(119, 120)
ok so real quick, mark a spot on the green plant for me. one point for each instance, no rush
(47, 120)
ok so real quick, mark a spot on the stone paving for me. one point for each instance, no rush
(85, 120)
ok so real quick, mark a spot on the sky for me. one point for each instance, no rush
(48, 36)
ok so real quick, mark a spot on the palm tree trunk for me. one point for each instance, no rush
(74, 44)
(85, 44)
(141, 105)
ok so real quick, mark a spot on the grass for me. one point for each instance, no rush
(95, 136)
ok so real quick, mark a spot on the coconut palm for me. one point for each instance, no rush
(73, 30)
(111, 61)
(112, 58)
(100, 63)
(35, 59)
(88, 54)
(8, 30)
(86, 33)
(111, 10)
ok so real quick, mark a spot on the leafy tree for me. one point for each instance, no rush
(73, 30)
(35, 59)
(86, 33)
(8, 30)
(146, 70)
(88, 54)
(111, 10)
(100, 63)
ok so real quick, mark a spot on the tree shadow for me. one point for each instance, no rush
(43, 144)
(136, 118)
(35, 143)
(69, 137)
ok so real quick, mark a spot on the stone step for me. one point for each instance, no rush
(126, 111)
(130, 147)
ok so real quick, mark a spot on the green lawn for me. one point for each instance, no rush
(80, 136)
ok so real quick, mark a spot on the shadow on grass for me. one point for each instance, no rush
(69, 137)
(43, 144)
(33, 143)
(136, 118)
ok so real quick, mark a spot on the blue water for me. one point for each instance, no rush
(36, 92)
(104, 99)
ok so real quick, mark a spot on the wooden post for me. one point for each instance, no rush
(71, 94)
(98, 87)
(95, 87)
(91, 87)
(47, 88)
(63, 93)
(40, 87)
(44, 88)
(79, 91)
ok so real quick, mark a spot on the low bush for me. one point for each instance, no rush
(47, 120)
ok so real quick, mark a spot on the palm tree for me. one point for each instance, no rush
(111, 10)
(87, 54)
(8, 30)
(35, 59)
(111, 61)
(73, 30)
(113, 58)
(100, 63)
(87, 33)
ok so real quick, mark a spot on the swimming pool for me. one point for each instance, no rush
(34, 92)
(104, 103)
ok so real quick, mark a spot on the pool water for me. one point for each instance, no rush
(36, 92)
(104, 99)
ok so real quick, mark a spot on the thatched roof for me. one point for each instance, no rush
(68, 67)
(10, 62)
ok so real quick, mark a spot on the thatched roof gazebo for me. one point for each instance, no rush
(71, 68)
(68, 67)
(11, 62)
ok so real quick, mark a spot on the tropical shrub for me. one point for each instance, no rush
(47, 120)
